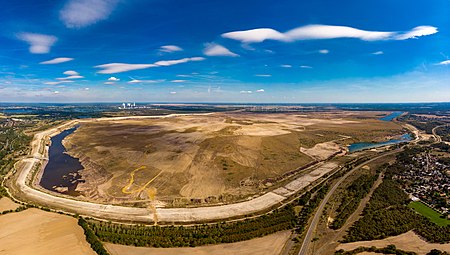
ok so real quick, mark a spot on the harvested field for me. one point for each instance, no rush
(408, 241)
(37, 232)
(268, 245)
(214, 158)
(7, 204)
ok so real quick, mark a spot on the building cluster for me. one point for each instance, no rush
(428, 179)
(128, 106)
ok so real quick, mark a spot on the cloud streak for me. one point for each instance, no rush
(136, 81)
(39, 43)
(444, 63)
(170, 48)
(70, 77)
(320, 32)
(213, 49)
(57, 61)
(82, 13)
(124, 67)
(71, 72)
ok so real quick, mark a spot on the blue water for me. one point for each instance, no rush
(61, 169)
(391, 116)
(363, 146)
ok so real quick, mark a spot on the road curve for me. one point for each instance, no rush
(312, 227)
(255, 205)
(438, 137)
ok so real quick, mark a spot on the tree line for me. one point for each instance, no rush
(351, 197)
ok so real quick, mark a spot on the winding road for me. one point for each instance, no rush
(438, 137)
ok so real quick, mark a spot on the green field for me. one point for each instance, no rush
(429, 213)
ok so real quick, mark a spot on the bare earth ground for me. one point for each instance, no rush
(408, 241)
(217, 157)
(268, 245)
(37, 232)
(331, 129)
(7, 204)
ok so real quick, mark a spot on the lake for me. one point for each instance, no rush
(365, 145)
(62, 170)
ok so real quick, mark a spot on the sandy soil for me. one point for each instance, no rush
(408, 241)
(37, 232)
(322, 151)
(268, 245)
(7, 204)
(209, 158)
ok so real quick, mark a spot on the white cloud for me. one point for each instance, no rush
(178, 61)
(245, 92)
(263, 75)
(56, 61)
(324, 51)
(306, 67)
(135, 81)
(109, 83)
(70, 77)
(256, 35)
(82, 13)
(112, 78)
(56, 92)
(86, 88)
(444, 63)
(417, 32)
(260, 91)
(178, 81)
(377, 53)
(70, 72)
(170, 48)
(56, 82)
(315, 32)
(286, 66)
(213, 49)
(173, 92)
(331, 32)
(123, 67)
(39, 43)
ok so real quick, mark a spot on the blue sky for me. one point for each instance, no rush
(224, 51)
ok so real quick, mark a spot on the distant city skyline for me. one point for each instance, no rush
(225, 51)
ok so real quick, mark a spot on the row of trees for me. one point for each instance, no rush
(280, 219)
(92, 239)
(390, 249)
(351, 197)
(179, 236)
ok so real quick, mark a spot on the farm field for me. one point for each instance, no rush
(429, 213)
(210, 158)
(37, 232)
(7, 204)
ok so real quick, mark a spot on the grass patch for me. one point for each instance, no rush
(429, 213)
